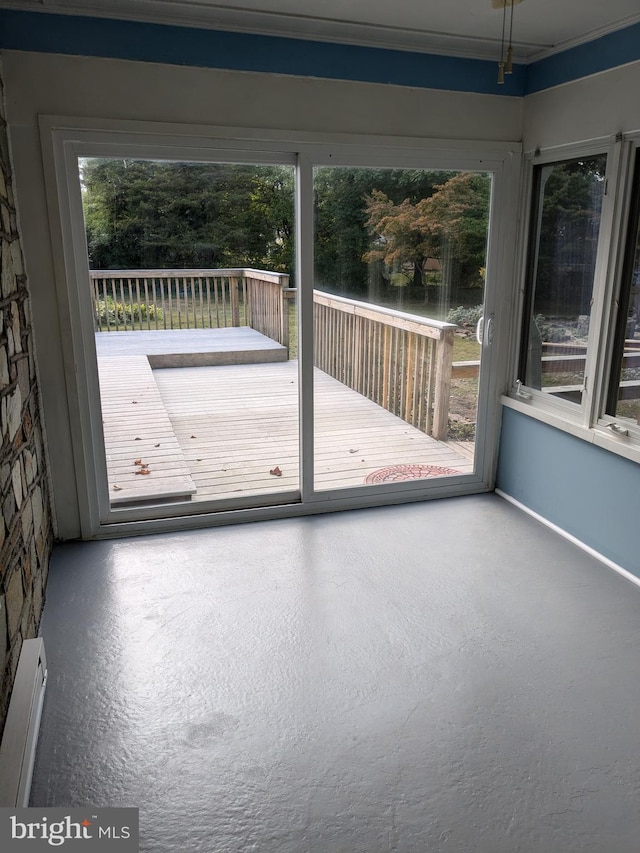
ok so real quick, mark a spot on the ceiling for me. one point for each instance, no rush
(457, 27)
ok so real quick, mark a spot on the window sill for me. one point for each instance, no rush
(627, 446)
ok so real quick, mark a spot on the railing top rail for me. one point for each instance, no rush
(243, 272)
(411, 322)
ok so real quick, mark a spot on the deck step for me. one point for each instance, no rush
(139, 436)
(193, 347)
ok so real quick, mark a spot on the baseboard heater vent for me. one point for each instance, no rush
(18, 749)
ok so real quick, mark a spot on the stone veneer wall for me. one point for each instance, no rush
(25, 520)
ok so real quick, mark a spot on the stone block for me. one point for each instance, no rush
(27, 531)
(14, 413)
(7, 279)
(37, 509)
(6, 219)
(29, 467)
(38, 595)
(16, 327)
(4, 368)
(24, 380)
(14, 597)
(27, 615)
(16, 258)
(9, 506)
(16, 481)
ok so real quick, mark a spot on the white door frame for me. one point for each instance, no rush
(64, 140)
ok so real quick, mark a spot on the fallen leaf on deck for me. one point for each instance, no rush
(137, 438)
(276, 472)
(193, 436)
(156, 445)
(117, 488)
(354, 451)
(143, 471)
(140, 462)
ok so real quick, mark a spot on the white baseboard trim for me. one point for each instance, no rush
(20, 736)
(587, 548)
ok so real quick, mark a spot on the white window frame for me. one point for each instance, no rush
(583, 420)
(64, 140)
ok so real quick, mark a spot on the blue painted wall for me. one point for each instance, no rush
(609, 51)
(204, 48)
(585, 490)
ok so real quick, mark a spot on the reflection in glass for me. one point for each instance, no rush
(190, 267)
(400, 258)
(624, 388)
(567, 202)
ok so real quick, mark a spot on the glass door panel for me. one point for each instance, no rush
(191, 266)
(400, 263)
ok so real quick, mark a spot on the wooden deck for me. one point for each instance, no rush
(218, 432)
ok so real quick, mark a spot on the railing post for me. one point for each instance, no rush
(285, 295)
(235, 303)
(442, 392)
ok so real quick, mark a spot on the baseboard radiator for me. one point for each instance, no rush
(18, 748)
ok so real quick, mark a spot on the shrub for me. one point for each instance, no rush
(465, 316)
(112, 313)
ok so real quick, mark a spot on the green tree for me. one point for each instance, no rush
(450, 224)
(569, 203)
(142, 214)
(342, 235)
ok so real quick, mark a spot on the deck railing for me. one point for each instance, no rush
(400, 361)
(403, 362)
(132, 300)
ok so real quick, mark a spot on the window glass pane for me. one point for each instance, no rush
(191, 267)
(624, 388)
(400, 261)
(567, 203)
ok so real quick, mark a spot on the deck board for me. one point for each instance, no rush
(235, 425)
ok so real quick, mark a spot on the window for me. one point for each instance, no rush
(565, 226)
(623, 398)
(577, 364)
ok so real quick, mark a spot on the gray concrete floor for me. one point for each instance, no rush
(447, 676)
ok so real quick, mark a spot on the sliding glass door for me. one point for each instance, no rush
(257, 329)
